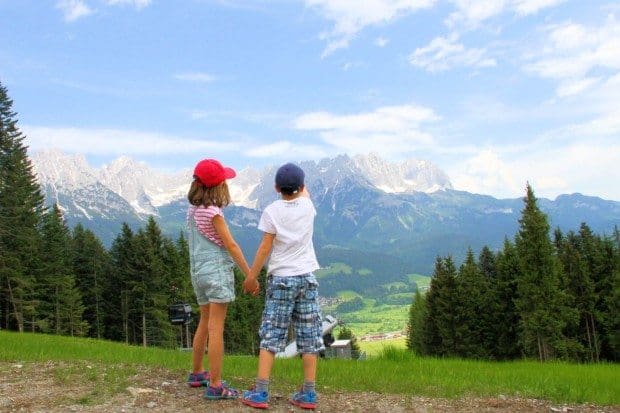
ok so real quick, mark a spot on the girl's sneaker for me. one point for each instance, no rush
(198, 379)
(257, 399)
(220, 393)
(305, 400)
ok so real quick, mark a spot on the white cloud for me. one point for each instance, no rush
(287, 149)
(470, 13)
(138, 4)
(352, 16)
(197, 77)
(73, 9)
(393, 131)
(573, 51)
(105, 142)
(526, 7)
(445, 53)
(381, 42)
(575, 87)
(350, 65)
(550, 171)
(485, 173)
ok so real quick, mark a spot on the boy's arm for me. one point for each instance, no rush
(263, 251)
(229, 243)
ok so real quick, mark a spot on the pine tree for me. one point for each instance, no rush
(506, 316)
(21, 210)
(92, 268)
(117, 294)
(540, 301)
(151, 289)
(61, 307)
(441, 303)
(416, 324)
(606, 277)
(612, 319)
(487, 266)
(471, 329)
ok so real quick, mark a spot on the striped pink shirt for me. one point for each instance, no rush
(204, 221)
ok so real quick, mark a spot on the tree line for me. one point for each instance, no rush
(58, 280)
(542, 296)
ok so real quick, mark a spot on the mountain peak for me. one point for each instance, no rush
(411, 175)
(146, 189)
(68, 171)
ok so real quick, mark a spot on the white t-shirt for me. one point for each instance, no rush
(293, 223)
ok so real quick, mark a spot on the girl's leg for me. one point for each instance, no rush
(200, 340)
(217, 316)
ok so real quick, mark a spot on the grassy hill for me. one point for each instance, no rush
(84, 360)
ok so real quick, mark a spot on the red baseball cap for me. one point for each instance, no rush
(211, 173)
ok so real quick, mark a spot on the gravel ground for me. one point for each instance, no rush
(47, 387)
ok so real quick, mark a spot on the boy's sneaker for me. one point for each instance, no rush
(198, 379)
(220, 393)
(258, 399)
(305, 400)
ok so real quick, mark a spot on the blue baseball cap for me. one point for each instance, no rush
(290, 177)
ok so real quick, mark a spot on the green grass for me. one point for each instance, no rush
(422, 281)
(376, 348)
(376, 319)
(373, 318)
(408, 374)
(397, 284)
(334, 268)
(348, 294)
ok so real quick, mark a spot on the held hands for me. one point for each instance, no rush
(251, 285)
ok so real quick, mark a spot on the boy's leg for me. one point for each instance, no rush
(200, 340)
(217, 316)
(309, 364)
(273, 331)
(265, 362)
(308, 334)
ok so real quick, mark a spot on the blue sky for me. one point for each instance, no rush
(494, 92)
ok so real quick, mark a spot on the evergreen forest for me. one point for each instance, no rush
(58, 280)
(543, 296)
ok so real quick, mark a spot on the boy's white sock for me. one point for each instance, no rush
(309, 386)
(262, 385)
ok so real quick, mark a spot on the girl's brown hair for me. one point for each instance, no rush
(201, 195)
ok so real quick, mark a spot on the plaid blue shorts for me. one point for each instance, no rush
(292, 299)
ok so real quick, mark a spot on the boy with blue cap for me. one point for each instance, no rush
(292, 289)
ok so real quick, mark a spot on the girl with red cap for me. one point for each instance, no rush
(213, 252)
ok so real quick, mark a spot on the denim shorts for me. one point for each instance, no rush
(213, 279)
(292, 299)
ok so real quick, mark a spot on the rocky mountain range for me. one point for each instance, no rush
(401, 214)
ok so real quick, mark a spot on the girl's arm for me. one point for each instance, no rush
(229, 243)
(250, 284)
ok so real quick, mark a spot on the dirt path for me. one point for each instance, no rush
(58, 387)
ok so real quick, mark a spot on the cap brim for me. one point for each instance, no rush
(229, 173)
